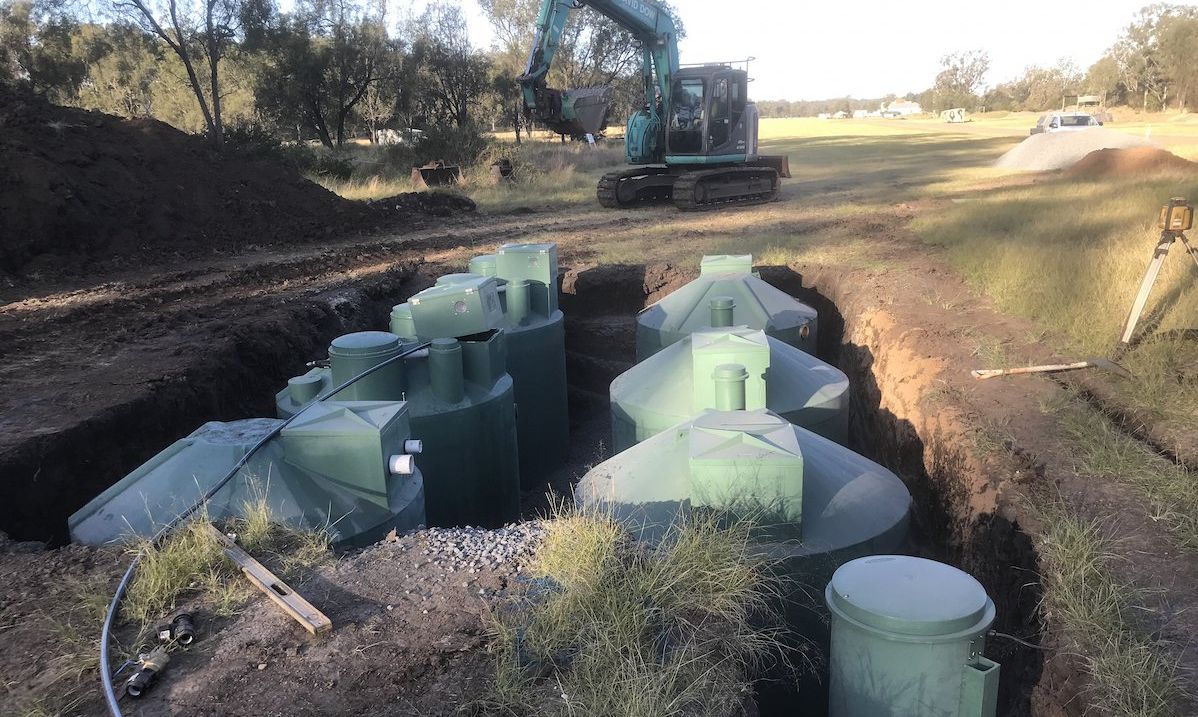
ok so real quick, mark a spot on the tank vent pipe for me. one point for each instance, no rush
(730, 381)
(517, 300)
(721, 311)
(445, 370)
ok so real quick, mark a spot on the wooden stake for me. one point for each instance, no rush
(294, 604)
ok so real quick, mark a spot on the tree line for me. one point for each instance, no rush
(327, 70)
(1152, 66)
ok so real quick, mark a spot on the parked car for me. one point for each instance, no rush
(1064, 122)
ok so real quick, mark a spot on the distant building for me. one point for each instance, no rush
(902, 108)
(860, 114)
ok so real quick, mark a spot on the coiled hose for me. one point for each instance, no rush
(110, 616)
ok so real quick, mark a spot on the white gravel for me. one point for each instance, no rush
(1059, 150)
(470, 550)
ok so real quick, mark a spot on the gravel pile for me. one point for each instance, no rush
(472, 550)
(1058, 150)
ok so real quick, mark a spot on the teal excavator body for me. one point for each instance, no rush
(695, 137)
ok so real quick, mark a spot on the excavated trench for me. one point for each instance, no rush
(600, 305)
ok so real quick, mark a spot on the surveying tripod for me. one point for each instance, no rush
(1176, 218)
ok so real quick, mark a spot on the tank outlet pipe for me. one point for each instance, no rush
(722, 308)
(445, 370)
(114, 606)
(517, 300)
(403, 464)
(730, 381)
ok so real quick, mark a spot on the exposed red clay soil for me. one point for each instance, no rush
(1132, 160)
(86, 191)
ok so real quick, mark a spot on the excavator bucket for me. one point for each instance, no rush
(780, 163)
(436, 174)
(576, 112)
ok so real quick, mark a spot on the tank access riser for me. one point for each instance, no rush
(695, 189)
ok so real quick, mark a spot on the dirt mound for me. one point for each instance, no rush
(1058, 150)
(1130, 161)
(83, 190)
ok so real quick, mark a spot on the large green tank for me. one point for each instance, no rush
(726, 293)
(460, 398)
(342, 466)
(907, 639)
(526, 277)
(677, 383)
(815, 500)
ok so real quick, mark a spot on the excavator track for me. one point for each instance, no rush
(728, 186)
(631, 187)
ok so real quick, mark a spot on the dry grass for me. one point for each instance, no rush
(191, 563)
(1070, 254)
(1130, 673)
(611, 626)
(1102, 450)
(546, 173)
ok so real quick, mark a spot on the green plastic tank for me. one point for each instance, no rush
(815, 499)
(726, 293)
(460, 400)
(907, 639)
(677, 383)
(526, 279)
(347, 467)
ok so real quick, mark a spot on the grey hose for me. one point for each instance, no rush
(110, 616)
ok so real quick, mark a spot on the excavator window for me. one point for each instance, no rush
(720, 114)
(686, 117)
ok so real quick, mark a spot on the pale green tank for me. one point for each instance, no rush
(907, 639)
(676, 384)
(726, 293)
(526, 278)
(460, 397)
(342, 466)
(814, 499)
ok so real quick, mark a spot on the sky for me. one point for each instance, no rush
(869, 48)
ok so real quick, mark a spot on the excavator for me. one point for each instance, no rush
(695, 138)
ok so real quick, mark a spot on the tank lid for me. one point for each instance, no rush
(483, 264)
(909, 596)
(726, 264)
(459, 278)
(364, 343)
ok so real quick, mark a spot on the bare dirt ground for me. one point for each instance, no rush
(103, 370)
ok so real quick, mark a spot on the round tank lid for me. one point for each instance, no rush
(459, 278)
(364, 343)
(909, 596)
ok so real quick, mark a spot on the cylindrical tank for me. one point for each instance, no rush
(461, 406)
(526, 275)
(907, 639)
(728, 293)
(351, 354)
(676, 384)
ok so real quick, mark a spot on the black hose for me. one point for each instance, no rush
(110, 616)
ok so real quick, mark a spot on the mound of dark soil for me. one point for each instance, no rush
(83, 190)
(1130, 161)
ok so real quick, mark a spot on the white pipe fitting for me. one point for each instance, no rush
(402, 465)
(415, 446)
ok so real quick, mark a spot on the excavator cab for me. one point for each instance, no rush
(709, 120)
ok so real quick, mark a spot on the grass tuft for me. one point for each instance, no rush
(609, 625)
(1130, 673)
